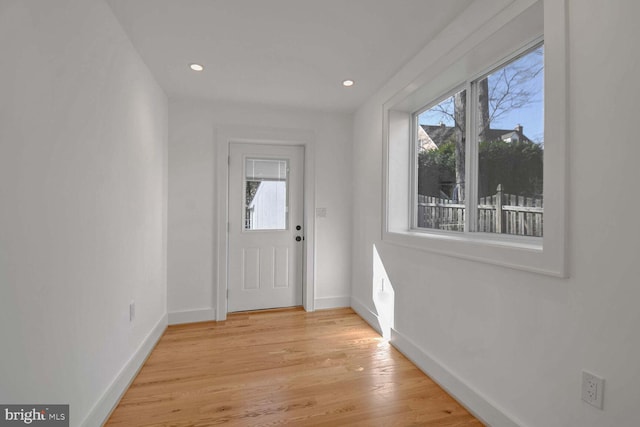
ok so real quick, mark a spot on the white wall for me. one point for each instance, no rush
(83, 134)
(520, 340)
(192, 233)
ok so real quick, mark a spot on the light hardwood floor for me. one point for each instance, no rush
(326, 368)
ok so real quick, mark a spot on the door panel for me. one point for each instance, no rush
(265, 206)
(281, 267)
(251, 268)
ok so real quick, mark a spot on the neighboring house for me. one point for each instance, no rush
(267, 210)
(425, 142)
(509, 136)
(430, 137)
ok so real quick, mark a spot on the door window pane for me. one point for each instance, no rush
(265, 194)
(510, 125)
(441, 167)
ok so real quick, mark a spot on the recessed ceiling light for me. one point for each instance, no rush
(348, 83)
(196, 67)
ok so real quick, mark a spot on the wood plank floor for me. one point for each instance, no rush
(326, 368)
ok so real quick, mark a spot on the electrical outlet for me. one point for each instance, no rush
(592, 389)
(132, 311)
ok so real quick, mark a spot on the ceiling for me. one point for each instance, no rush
(292, 53)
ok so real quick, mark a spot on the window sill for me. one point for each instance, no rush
(492, 239)
(515, 252)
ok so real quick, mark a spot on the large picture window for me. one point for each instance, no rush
(499, 188)
(475, 146)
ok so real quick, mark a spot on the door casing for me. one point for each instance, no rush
(223, 138)
(274, 265)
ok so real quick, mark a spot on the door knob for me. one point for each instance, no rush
(298, 238)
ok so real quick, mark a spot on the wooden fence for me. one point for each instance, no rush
(441, 214)
(500, 213)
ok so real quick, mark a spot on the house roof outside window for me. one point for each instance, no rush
(430, 137)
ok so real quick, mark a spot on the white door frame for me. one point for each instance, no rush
(224, 136)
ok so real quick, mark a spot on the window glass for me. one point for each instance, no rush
(265, 194)
(441, 165)
(510, 130)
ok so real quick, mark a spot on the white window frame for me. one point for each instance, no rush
(503, 36)
(471, 151)
(414, 154)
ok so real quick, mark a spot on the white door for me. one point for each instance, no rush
(265, 226)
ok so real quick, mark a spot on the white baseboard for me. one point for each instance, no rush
(331, 302)
(100, 412)
(369, 316)
(192, 316)
(475, 403)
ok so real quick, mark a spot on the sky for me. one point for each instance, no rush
(530, 116)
